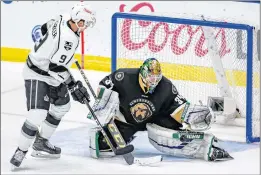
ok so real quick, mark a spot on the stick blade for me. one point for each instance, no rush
(125, 150)
(148, 161)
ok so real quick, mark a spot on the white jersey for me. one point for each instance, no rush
(54, 53)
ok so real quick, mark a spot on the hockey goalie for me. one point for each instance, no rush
(140, 99)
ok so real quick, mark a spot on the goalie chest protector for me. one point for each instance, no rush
(137, 107)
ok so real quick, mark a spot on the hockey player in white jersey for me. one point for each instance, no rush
(48, 79)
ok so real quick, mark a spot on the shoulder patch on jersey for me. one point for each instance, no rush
(119, 76)
(174, 89)
(68, 45)
(36, 33)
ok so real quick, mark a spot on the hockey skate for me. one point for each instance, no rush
(44, 149)
(17, 158)
(219, 154)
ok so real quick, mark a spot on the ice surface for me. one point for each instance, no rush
(72, 137)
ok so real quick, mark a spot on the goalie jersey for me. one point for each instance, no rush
(52, 56)
(139, 108)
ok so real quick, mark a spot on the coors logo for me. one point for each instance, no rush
(180, 31)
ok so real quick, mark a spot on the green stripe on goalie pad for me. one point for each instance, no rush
(185, 111)
(101, 92)
(188, 135)
(97, 144)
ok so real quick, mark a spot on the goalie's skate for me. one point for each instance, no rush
(219, 154)
(17, 158)
(42, 148)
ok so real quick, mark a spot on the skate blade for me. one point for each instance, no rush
(224, 159)
(42, 154)
(13, 167)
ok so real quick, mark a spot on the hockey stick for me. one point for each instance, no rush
(117, 151)
(88, 84)
(129, 158)
(120, 151)
(85, 79)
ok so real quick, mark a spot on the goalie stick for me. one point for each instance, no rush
(117, 151)
(127, 149)
(130, 159)
(85, 79)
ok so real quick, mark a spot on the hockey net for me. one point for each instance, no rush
(185, 57)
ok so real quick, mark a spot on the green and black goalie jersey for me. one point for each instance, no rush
(139, 108)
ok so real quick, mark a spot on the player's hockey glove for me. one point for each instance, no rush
(79, 92)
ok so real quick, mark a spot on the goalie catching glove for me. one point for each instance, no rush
(194, 117)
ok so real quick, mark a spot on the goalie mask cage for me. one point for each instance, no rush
(182, 47)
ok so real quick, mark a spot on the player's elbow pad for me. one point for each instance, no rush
(46, 26)
(44, 29)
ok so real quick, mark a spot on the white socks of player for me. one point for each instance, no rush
(53, 119)
(37, 118)
(27, 136)
(48, 126)
(34, 118)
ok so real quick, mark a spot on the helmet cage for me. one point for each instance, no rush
(151, 74)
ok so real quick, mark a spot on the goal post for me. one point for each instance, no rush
(184, 50)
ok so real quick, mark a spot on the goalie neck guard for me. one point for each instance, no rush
(150, 75)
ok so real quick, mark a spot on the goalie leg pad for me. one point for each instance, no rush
(181, 143)
(95, 151)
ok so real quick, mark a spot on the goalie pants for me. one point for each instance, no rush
(46, 106)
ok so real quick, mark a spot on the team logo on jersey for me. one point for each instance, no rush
(36, 33)
(109, 84)
(46, 98)
(141, 112)
(141, 109)
(68, 45)
(119, 76)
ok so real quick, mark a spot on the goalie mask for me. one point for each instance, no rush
(150, 75)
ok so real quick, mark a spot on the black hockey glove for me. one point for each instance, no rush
(79, 92)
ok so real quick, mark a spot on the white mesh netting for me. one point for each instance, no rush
(182, 50)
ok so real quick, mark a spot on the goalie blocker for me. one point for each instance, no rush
(173, 124)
